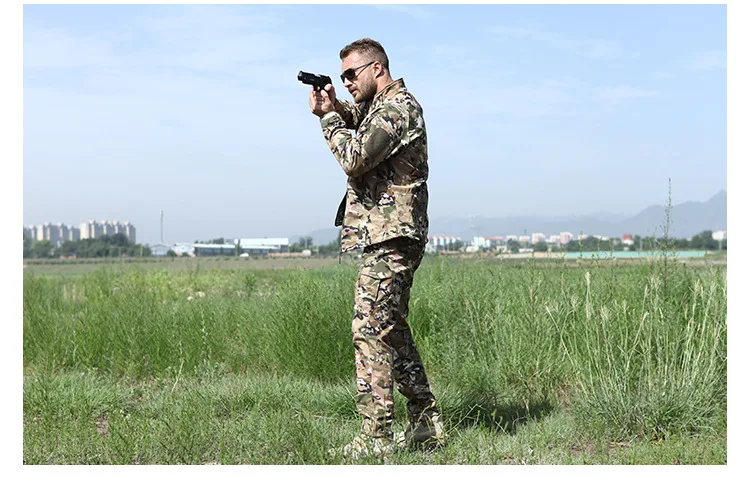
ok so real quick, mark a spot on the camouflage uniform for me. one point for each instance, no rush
(384, 211)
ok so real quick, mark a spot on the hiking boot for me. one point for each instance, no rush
(363, 446)
(428, 433)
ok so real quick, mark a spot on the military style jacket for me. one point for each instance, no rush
(386, 162)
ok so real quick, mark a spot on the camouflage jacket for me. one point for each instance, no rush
(386, 162)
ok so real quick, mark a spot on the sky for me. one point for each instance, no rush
(539, 110)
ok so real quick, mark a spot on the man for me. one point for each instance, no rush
(385, 212)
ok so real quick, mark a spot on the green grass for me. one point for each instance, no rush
(234, 419)
(536, 362)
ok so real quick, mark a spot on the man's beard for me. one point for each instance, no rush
(366, 91)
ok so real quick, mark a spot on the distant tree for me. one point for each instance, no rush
(68, 248)
(41, 249)
(681, 244)
(540, 247)
(455, 246)
(171, 253)
(332, 247)
(305, 242)
(120, 240)
(26, 246)
(704, 241)
(218, 241)
(636, 243)
(513, 246)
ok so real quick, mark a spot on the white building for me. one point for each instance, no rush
(60, 232)
(565, 237)
(91, 230)
(42, 232)
(159, 250)
(53, 234)
(108, 228)
(129, 231)
(719, 235)
(486, 242)
(206, 249)
(83, 230)
(495, 241)
(258, 245)
(184, 248)
(478, 242)
(436, 243)
(538, 238)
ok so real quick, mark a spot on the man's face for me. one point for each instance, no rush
(363, 87)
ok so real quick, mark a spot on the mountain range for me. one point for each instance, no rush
(687, 220)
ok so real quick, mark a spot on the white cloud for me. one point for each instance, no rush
(663, 75)
(419, 13)
(441, 51)
(513, 101)
(57, 49)
(592, 48)
(196, 38)
(708, 60)
(619, 93)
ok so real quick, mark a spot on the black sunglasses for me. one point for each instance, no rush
(350, 73)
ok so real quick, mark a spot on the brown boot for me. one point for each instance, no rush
(428, 432)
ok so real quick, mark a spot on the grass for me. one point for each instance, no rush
(535, 362)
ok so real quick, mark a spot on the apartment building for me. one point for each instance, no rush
(60, 232)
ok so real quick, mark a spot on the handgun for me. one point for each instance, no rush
(317, 81)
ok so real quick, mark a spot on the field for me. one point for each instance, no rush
(228, 361)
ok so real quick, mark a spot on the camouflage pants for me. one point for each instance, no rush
(384, 349)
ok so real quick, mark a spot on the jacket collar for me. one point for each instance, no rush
(390, 90)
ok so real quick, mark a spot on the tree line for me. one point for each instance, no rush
(701, 241)
(105, 246)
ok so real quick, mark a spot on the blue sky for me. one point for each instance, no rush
(546, 110)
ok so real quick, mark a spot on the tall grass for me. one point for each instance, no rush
(650, 366)
(502, 342)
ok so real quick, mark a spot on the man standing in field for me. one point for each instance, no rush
(384, 211)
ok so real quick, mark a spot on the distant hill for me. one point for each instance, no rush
(688, 219)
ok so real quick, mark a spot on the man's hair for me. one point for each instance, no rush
(367, 47)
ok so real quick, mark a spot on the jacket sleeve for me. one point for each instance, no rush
(351, 113)
(378, 137)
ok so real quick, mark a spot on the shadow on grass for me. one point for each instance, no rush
(494, 414)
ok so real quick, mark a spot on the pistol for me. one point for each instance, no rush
(317, 81)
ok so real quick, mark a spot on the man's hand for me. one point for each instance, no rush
(323, 101)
